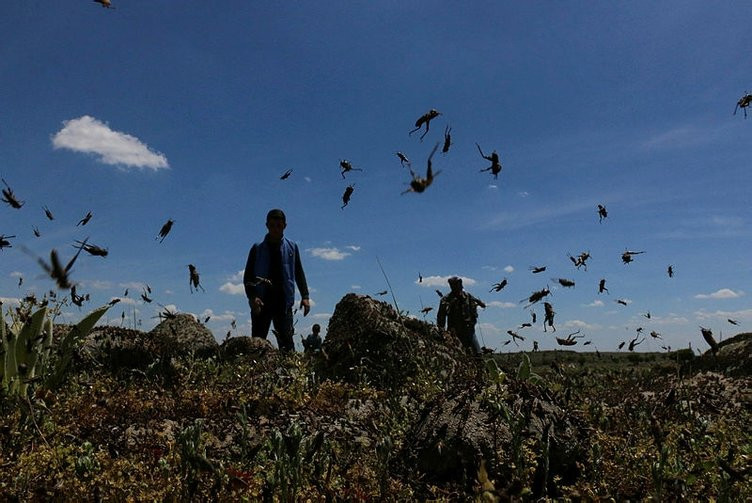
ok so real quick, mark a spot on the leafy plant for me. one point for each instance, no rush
(26, 348)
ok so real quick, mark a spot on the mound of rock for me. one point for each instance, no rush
(117, 347)
(183, 334)
(368, 340)
(255, 348)
(456, 432)
(734, 357)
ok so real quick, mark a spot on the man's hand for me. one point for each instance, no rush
(256, 305)
(305, 304)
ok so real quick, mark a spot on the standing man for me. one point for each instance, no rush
(461, 310)
(271, 273)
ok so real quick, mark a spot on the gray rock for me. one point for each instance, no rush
(368, 340)
(252, 347)
(183, 334)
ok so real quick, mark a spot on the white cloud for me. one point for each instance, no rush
(16, 274)
(126, 301)
(523, 194)
(307, 179)
(96, 284)
(322, 316)
(353, 247)
(91, 136)
(133, 285)
(487, 329)
(232, 288)
(503, 305)
(432, 281)
(595, 303)
(10, 301)
(237, 277)
(580, 325)
(723, 293)
(509, 269)
(741, 315)
(355, 287)
(669, 319)
(226, 316)
(328, 253)
(513, 220)
(493, 187)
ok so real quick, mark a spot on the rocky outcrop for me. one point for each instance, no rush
(463, 423)
(368, 339)
(183, 334)
(255, 348)
(733, 358)
(456, 432)
(118, 347)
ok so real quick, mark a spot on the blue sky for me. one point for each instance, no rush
(191, 111)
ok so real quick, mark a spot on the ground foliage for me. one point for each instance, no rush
(278, 427)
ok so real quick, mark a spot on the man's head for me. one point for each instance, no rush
(455, 284)
(276, 223)
(316, 328)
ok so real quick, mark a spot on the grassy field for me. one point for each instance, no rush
(272, 427)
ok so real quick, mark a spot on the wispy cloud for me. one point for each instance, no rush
(322, 316)
(353, 247)
(686, 136)
(708, 226)
(509, 269)
(723, 293)
(16, 274)
(328, 253)
(519, 219)
(132, 285)
(127, 301)
(503, 305)
(232, 288)
(10, 301)
(580, 325)
(432, 281)
(740, 315)
(488, 329)
(96, 284)
(669, 319)
(226, 316)
(356, 287)
(91, 136)
(237, 277)
(595, 303)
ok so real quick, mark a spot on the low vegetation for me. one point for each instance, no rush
(266, 426)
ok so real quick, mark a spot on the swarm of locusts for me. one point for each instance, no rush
(59, 271)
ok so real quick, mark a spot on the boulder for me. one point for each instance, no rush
(253, 347)
(117, 347)
(368, 339)
(734, 357)
(456, 432)
(183, 334)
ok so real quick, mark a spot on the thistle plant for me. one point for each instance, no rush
(26, 346)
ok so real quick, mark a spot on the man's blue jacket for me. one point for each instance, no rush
(257, 269)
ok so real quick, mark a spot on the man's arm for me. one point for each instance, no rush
(441, 315)
(300, 280)
(248, 276)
